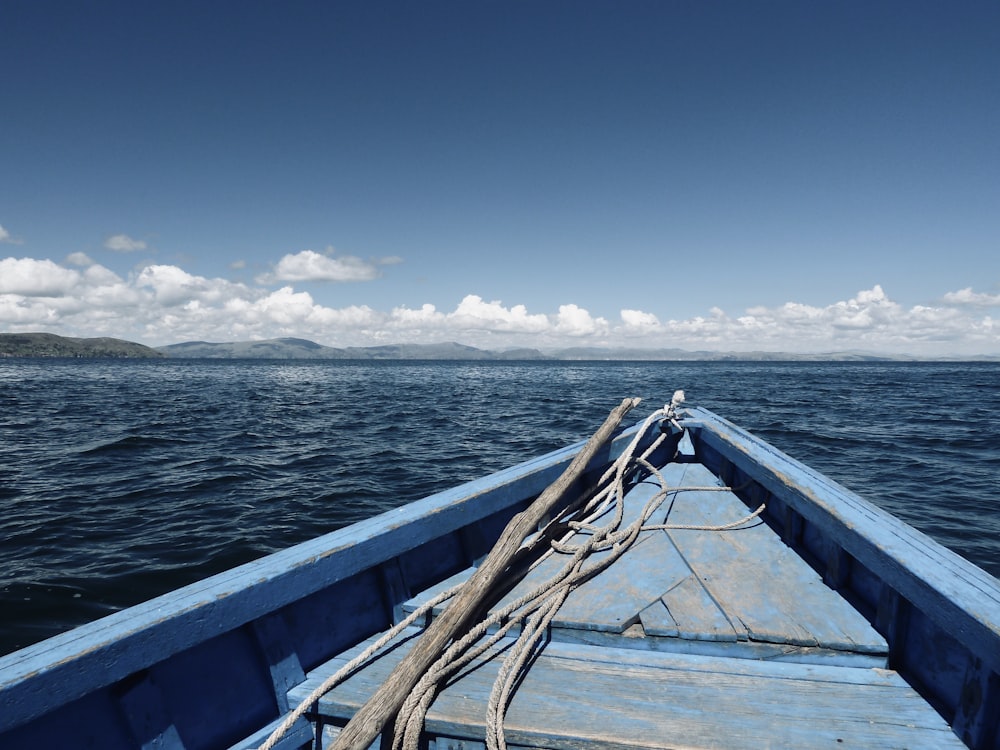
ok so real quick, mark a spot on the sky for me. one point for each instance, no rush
(779, 176)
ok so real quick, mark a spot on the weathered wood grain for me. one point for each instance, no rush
(706, 586)
(940, 614)
(960, 597)
(696, 616)
(371, 718)
(762, 585)
(606, 698)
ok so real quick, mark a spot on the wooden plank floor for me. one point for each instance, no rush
(693, 639)
(740, 592)
(578, 696)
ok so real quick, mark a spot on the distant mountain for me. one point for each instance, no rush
(289, 348)
(269, 349)
(418, 351)
(449, 350)
(50, 345)
(686, 355)
(591, 353)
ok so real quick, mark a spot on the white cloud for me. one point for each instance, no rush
(427, 315)
(79, 259)
(639, 322)
(20, 314)
(572, 320)
(308, 265)
(286, 307)
(5, 237)
(173, 286)
(162, 304)
(122, 243)
(968, 297)
(35, 278)
(869, 321)
(473, 313)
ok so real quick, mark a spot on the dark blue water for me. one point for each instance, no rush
(122, 480)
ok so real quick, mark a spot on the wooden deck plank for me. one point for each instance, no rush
(579, 696)
(761, 584)
(613, 599)
(657, 621)
(705, 586)
(692, 612)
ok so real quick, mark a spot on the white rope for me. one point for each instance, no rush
(344, 672)
(535, 610)
(697, 527)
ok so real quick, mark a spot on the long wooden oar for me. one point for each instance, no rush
(384, 704)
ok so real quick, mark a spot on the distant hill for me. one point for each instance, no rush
(591, 353)
(448, 350)
(50, 345)
(685, 355)
(290, 348)
(269, 349)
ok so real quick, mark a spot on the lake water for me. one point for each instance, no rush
(120, 480)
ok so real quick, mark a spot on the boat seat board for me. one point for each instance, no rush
(577, 696)
(741, 589)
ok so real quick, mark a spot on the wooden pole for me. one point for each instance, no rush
(369, 721)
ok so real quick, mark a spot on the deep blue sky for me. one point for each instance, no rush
(788, 175)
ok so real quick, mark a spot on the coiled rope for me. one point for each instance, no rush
(534, 611)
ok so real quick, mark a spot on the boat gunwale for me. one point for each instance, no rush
(957, 595)
(53, 672)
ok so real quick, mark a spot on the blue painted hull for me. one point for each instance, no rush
(218, 663)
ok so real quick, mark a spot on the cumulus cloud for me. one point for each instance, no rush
(572, 320)
(870, 321)
(122, 243)
(473, 312)
(171, 285)
(162, 304)
(308, 265)
(35, 278)
(639, 322)
(426, 315)
(975, 299)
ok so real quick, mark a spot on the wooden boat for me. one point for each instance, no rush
(821, 621)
